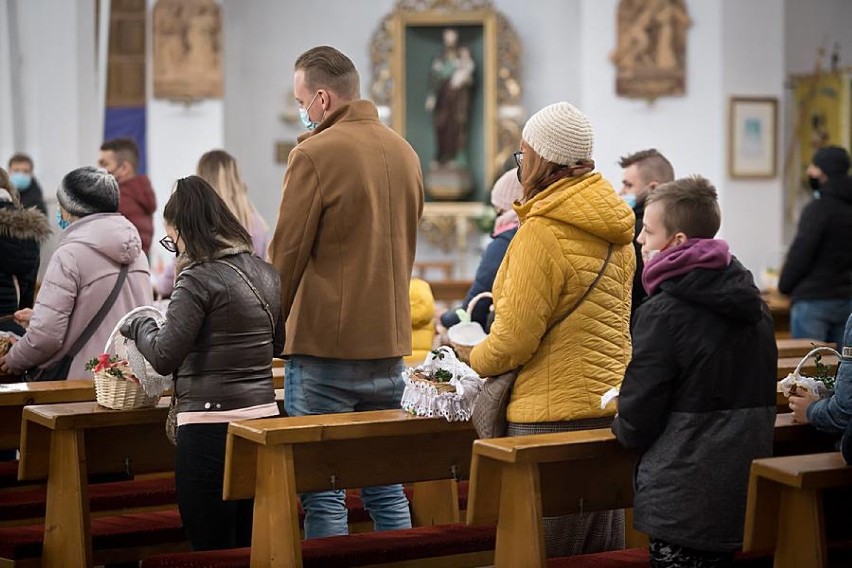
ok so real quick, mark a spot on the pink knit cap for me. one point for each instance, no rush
(506, 191)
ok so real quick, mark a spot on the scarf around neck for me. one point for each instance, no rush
(678, 260)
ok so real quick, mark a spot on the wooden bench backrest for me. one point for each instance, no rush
(15, 396)
(351, 450)
(112, 441)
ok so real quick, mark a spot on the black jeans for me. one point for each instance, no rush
(210, 523)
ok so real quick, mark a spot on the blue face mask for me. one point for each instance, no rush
(63, 224)
(630, 199)
(306, 118)
(21, 181)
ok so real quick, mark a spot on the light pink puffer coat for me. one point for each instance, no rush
(79, 278)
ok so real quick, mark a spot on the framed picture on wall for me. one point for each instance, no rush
(752, 137)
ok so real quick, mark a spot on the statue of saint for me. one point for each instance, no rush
(451, 78)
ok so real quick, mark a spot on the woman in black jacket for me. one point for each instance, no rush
(21, 233)
(221, 331)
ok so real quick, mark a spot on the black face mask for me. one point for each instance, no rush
(814, 183)
(518, 171)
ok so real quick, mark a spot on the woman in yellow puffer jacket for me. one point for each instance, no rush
(570, 216)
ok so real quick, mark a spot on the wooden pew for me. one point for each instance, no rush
(789, 347)
(14, 396)
(64, 443)
(785, 506)
(449, 291)
(568, 472)
(273, 460)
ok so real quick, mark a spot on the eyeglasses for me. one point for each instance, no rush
(169, 244)
(519, 157)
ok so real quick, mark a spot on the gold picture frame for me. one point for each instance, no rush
(753, 137)
(497, 75)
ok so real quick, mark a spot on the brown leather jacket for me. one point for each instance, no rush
(217, 338)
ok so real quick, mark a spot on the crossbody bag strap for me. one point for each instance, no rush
(587, 292)
(102, 313)
(253, 289)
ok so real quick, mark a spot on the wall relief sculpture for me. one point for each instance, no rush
(187, 49)
(650, 56)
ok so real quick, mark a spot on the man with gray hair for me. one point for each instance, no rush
(642, 172)
(344, 246)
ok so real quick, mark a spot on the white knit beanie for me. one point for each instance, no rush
(560, 133)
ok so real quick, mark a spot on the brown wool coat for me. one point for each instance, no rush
(346, 235)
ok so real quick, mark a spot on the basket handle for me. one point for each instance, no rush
(115, 331)
(811, 354)
(472, 304)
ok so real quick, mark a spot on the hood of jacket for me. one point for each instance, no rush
(839, 187)
(729, 292)
(588, 203)
(24, 224)
(111, 234)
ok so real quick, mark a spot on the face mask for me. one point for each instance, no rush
(654, 252)
(21, 181)
(814, 183)
(63, 224)
(306, 118)
(630, 199)
(518, 171)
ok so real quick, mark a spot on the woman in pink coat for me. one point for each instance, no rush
(96, 242)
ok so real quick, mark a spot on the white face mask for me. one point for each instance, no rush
(650, 254)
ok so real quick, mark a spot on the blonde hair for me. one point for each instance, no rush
(219, 169)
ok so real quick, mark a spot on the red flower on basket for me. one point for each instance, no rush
(111, 365)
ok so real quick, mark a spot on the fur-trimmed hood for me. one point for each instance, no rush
(25, 224)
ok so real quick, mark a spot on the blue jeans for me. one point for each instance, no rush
(820, 319)
(326, 386)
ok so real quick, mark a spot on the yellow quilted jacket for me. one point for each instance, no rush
(422, 321)
(554, 258)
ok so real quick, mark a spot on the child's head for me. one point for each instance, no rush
(686, 208)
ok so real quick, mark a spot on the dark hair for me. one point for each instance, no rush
(652, 166)
(20, 157)
(689, 205)
(328, 68)
(202, 219)
(125, 149)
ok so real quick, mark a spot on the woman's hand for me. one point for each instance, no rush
(23, 317)
(799, 405)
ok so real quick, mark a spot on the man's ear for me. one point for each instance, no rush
(680, 238)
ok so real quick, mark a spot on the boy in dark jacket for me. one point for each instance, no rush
(698, 397)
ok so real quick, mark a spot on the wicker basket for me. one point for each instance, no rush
(440, 387)
(121, 394)
(463, 350)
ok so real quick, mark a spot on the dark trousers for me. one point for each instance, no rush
(210, 523)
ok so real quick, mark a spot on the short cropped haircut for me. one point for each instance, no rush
(125, 149)
(652, 166)
(328, 68)
(689, 205)
(19, 158)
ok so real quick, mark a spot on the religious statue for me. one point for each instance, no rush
(651, 53)
(451, 80)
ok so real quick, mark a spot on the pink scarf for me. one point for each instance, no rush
(677, 261)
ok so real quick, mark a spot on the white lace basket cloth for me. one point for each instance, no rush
(153, 383)
(424, 399)
(816, 388)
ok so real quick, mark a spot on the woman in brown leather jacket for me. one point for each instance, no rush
(221, 331)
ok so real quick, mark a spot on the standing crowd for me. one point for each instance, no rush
(592, 289)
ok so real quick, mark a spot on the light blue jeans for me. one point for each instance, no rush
(326, 386)
(820, 319)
